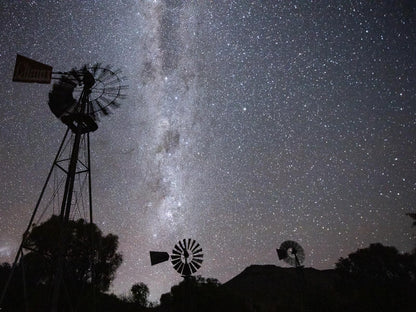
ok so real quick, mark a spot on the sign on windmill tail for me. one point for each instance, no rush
(28, 70)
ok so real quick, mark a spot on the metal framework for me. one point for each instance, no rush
(66, 192)
(67, 189)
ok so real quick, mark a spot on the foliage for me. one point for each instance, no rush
(76, 246)
(377, 278)
(200, 294)
(379, 263)
(85, 245)
(140, 293)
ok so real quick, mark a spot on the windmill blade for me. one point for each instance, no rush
(95, 68)
(113, 81)
(158, 257)
(105, 101)
(183, 247)
(179, 267)
(176, 261)
(297, 260)
(281, 253)
(106, 73)
(198, 260)
(176, 252)
(96, 106)
(290, 260)
(117, 71)
(186, 270)
(110, 90)
(195, 247)
(300, 256)
(121, 96)
(196, 265)
(192, 267)
(178, 248)
(199, 257)
(115, 104)
(192, 245)
(105, 111)
(197, 251)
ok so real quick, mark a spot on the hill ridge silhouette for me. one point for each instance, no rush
(265, 287)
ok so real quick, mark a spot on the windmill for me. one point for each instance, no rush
(78, 98)
(96, 89)
(186, 257)
(292, 253)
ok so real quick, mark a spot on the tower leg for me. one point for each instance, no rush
(19, 251)
(64, 218)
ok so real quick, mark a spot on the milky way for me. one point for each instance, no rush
(246, 124)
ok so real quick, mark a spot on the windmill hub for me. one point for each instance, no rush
(186, 256)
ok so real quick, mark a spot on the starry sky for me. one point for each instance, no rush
(247, 123)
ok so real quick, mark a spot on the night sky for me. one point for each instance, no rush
(247, 123)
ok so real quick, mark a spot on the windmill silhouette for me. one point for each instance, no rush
(78, 98)
(186, 259)
(292, 253)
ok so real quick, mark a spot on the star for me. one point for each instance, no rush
(246, 124)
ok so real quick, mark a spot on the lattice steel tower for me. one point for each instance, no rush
(78, 99)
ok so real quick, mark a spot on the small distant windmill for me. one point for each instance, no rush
(186, 257)
(292, 253)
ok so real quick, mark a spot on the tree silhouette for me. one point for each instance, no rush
(196, 293)
(86, 248)
(379, 263)
(377, 278)
(88, 260)
(140, 293)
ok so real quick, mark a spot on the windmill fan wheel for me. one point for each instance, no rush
(292, 253)
(187, 257)
(90, 91)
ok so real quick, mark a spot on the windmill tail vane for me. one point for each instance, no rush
(158, 257)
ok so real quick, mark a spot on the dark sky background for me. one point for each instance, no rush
(247, 123)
